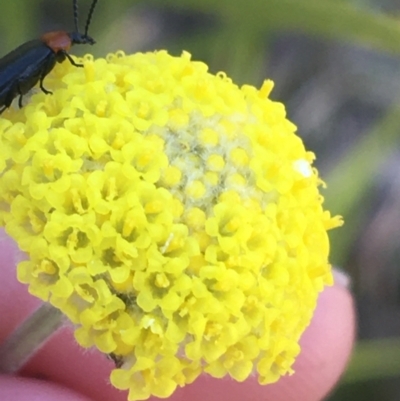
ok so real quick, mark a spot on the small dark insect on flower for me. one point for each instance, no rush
(28, 64)
(118, 360)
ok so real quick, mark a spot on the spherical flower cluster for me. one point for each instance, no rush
(174, 217)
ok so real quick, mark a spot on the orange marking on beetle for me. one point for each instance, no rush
(57, 40)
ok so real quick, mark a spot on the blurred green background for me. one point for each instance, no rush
(336, 67)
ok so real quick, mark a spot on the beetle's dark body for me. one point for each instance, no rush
(22, 69)
(28, 64)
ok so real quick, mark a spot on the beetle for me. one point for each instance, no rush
(28, 64)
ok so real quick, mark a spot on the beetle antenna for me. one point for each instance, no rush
(89, 18)
(75, 3)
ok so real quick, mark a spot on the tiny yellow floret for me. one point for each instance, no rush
(173, 216)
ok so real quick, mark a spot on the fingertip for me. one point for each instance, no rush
(326, 348)
(25, 389)
(86, 371)
(15, 301)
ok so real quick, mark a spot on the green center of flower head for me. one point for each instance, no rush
(174, 217)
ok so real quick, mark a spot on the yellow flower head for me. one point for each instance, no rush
(174, 217)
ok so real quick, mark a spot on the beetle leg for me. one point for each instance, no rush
(9, 98)
(47, 92)
(20, 96)
(71, 60)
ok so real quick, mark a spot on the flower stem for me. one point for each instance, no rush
(29, 337)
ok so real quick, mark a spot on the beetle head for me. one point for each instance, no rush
(80, 39)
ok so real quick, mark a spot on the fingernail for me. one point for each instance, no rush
(341, 278)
